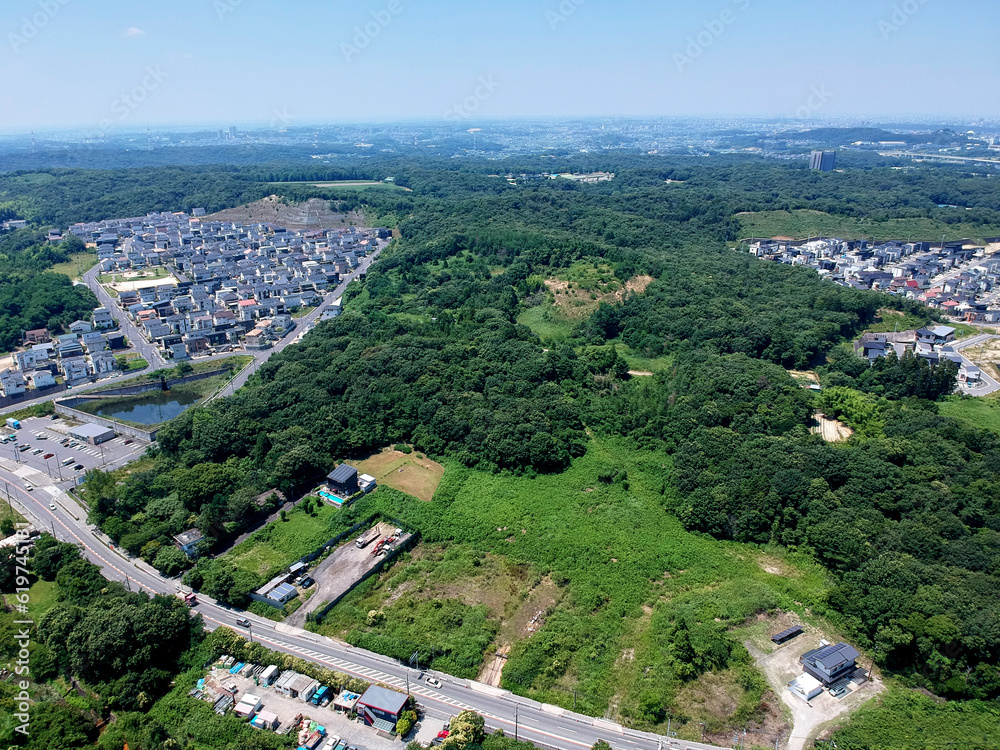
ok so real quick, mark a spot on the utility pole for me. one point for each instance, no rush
(250, 629)
(7, 488)
(515, 721)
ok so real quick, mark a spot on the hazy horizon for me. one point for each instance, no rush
(210, 63)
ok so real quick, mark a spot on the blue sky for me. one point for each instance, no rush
(90, 62)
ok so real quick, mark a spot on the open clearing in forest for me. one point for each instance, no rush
(413, 473)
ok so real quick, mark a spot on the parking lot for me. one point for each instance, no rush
(287, 708)
(44, 436)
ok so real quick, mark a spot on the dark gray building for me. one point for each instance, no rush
(824, 161)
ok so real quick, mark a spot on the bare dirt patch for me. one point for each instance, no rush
(831, 430)
(314, 213)
(805, 375)
(575, 301)
(407, 473)
(777, 567)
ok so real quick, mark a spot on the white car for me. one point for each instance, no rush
(434, 682)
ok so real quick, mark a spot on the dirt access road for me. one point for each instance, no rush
(808, 719)
(340, 572)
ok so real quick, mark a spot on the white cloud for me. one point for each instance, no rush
(132, 31)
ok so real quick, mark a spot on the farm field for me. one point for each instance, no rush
(413, 473)
(804, 223)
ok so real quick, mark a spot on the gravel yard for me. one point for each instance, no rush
(355, 732)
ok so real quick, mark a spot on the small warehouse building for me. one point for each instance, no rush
(380, 708)
(269, 675)
(343, 480)
(266, 720)
(248, 706)
(94, 434)
(277, 592)
(806, 687)
(296, 685)
(830, 663)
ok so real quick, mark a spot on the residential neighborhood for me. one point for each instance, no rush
(195, 287)
(958, 278)
(185, 288)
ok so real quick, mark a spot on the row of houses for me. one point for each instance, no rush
(86, 351)
(222, 283)
(932, 344)
(909, 269)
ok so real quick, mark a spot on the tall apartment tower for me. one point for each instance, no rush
(824, 161)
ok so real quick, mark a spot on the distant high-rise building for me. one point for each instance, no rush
(222, 135)
(232, 131)
(824, 161)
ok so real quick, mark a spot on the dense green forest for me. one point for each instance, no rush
(903, 516)
(30, 298)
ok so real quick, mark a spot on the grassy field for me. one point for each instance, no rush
(623, 568)
(805, 223)
(157, 272)
(414, 474)
(983, 413)
(77, 265)
(546, 322)
(348, 185)
(281, 543)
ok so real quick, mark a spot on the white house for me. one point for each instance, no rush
(12, 383)
(41, 379)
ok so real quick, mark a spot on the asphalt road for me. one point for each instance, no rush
(145, 349)
(989, 384)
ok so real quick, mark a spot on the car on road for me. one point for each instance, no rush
(54, 417)
(129, 441)
(37, 451)
(78, 467)
(434, 682)
(41, 437)
(52, 506)
(28, 486)
(243, 623)
(47, 456)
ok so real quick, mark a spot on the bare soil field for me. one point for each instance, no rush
(407, 473)
(315, 213)
(575, 302)
(832, 430)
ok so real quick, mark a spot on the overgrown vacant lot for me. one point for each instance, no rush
(281, 543)
(613, 573)
(571, 295)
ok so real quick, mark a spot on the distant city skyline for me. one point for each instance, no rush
(120, 65)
